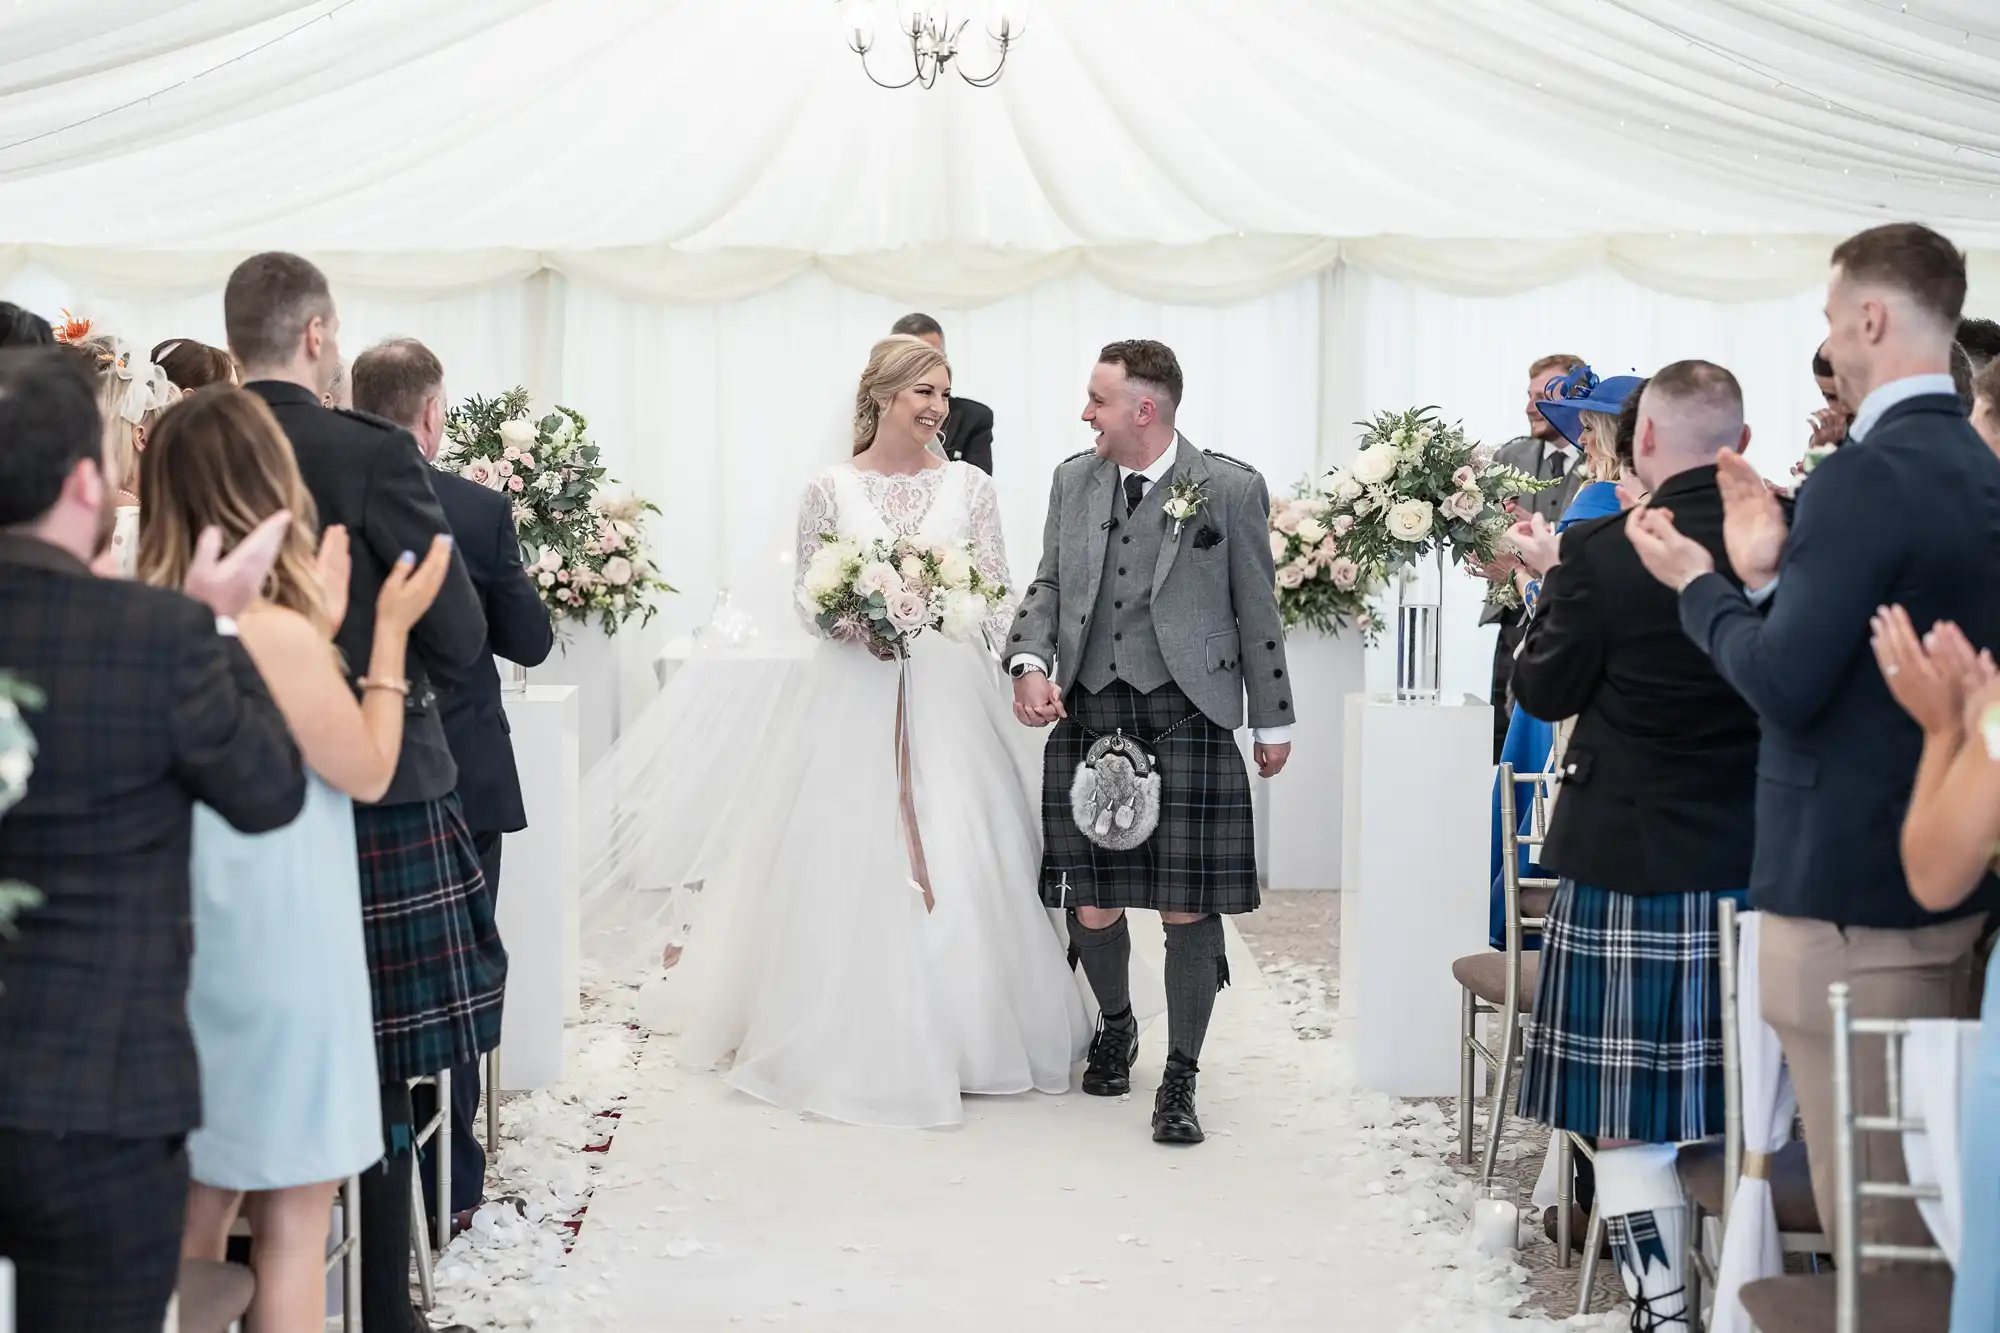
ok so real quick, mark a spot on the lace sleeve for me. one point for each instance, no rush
(989, 552)
(818, 518)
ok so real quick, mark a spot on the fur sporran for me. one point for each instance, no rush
(1115, 796)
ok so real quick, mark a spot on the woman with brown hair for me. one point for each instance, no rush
(278, 998)
(195, 365)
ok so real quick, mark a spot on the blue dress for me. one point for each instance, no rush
(1975, 1296)
(279, 1002)
(1530, 739)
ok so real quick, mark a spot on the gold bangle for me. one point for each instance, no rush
(401, 687)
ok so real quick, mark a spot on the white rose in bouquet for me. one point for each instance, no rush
(1311, 530)
(907, 611)
(823, 572)
(1344, 573)
(912, 568)
(1372, 466)
(954, 566)
(1277, 546)
(963, 614)
(1293, 574)
(618, 571)
(520, 433)
(879, 576)
(1410, 520)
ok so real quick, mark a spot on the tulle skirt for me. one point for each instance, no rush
(813, 972)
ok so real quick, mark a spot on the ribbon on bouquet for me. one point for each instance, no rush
(906, 795)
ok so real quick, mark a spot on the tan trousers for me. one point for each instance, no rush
(1923, 973)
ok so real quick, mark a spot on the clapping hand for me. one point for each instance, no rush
(1539, 546)
(1672, 558)
(1753, 523)
(1933, 678)
(336, 569)
(229, 583)
(1829, 426)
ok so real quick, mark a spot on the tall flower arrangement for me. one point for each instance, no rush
(17, 765)
(1419, 485)
(1319, 586)
(584, 550)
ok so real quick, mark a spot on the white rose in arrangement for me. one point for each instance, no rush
(1466, 478)
(617, 571)
(823, 572)
(955, 567)
(1293, 574)
(879, 576)
(1463, 505)
(1374, 465)
(963, 614)
(520, 433)
(1348, 491)
(907, 611)
(1344, 573)
(1410, 520)
(1311, 530)
(1278, 546)
(1341, 525)
(551, 559)
(546, 579)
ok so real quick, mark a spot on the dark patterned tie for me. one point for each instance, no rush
(1558, 464)
(1135, 490)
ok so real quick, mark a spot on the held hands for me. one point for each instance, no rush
(411, 588)
(1670, 557)
(1271, 758)
(1936, 679)
(227, 584)
(1753, 523)
(336, 567)
(1037, 700)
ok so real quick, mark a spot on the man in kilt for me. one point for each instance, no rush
(437, 971)
(1153, 612)
(1654, 824)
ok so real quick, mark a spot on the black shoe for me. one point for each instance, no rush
(1112, 1052)
(1173, 1106)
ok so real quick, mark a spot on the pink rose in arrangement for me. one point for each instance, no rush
(1292, 575)
(1344, 573)
(478, 470)
(1287, 517)
(907, 611)
(504, 468)
(1341, 525)
(562, 576)
(880, 576)
(527, 461)
(1463, 505)
(1466, 478)
(515, 483)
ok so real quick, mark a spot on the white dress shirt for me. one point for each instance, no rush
(1154, 473)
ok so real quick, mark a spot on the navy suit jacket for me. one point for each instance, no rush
(1909, 515)
(517, 628)
(968, 434)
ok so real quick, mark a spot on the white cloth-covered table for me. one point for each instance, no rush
(1750, 1236)
(1935, 1054)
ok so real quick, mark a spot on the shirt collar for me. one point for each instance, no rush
(1550, 448)
(1161, 466)
(1888, 395)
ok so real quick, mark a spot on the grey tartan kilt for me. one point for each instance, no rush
(1203, 855)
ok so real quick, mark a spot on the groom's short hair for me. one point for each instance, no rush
(1146, 362)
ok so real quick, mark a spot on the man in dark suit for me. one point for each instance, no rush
(1907, 512)
(402, 382)
(1654, 823)
(437, 971)
(150, 706)
(968, 430)
(1545, 454)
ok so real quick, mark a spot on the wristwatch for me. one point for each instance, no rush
(1020, 669)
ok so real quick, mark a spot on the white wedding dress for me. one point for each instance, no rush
(813, 972)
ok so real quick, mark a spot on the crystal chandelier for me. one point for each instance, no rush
(936, 42)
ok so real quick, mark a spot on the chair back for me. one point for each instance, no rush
(1513, 841)
(1727, 946)
(1849, 1249)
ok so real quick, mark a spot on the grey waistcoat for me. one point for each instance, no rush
(1122, 644)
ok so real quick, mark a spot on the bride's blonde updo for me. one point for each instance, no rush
(894, 364)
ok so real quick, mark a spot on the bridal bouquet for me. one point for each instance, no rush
(1419, 485)
(17, 765)
(584, 549)
(1318, 586)
(882, 594)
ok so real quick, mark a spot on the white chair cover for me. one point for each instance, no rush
(1750, 1234)
(1934, 1053)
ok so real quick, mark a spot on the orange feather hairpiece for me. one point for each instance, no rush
(72, 329)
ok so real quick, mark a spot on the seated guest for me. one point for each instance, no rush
(1654, 825)
(1949, 839)
(23, 328)
(193, 365)
(402, 382)
(437, 970)
(1981, 340)
(148, 710)
(1905, 513)
(968, 428)
(279, 997)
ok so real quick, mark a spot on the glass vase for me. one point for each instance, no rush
(1419, 628)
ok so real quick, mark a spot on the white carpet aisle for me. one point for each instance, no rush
(1311, 1207)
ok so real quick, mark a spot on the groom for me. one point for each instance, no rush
(1156, 604)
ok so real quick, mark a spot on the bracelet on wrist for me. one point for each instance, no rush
(401, 687)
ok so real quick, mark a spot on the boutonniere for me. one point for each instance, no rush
(1814, 456)
(1184, 501)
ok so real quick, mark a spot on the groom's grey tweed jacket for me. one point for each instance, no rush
(1208, 597)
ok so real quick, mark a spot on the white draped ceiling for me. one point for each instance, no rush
(1186, 151)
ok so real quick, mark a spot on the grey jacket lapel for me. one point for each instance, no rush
(1096, 515)
(1191, 463)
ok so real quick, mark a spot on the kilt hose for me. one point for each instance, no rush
(1625, 1039)
(1203, 855)
(436, 968)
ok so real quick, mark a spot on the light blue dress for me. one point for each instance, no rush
(279, 1002)
(1975, 1296)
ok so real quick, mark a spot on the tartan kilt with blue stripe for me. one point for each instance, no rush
(1203, 855)
(1625, 1039)
(436, 969)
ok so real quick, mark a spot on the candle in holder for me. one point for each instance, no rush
(1496, 1219)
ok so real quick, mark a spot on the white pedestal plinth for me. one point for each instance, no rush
(586, 657)
(538, 915)
(1304, 801)
(1416, 823)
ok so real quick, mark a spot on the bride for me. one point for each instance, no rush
(869, 946)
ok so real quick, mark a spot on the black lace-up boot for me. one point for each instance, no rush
(1174, 1120)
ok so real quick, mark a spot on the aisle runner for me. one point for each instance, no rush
(1311, 1207)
